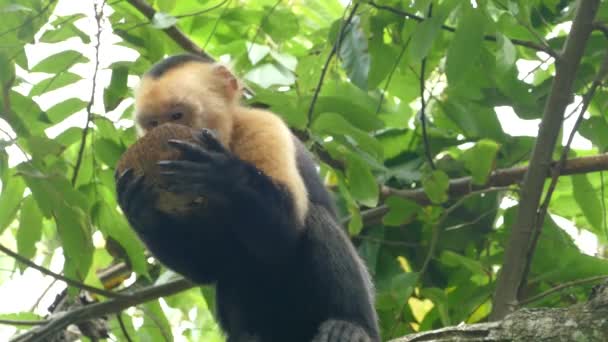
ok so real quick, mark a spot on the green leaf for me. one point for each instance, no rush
(60, 62)
(54, 82)
(427, 31)
(166, 5)
(589, 202)
(40, 147)
(480, 160)
(21, 316)
(506, 54)
(440, 299)
(117, 90)
(281, 24)
(30, 229)
(75, 233)
(401, 211)
(156, 327)
(64, 30)
(335, 124)
(355, 224)
(452, 259)
(354, 53)
(400, 289)
(7, 69)
(10, 200)
(112, 224)
(466, 45)
(436, 186)
(51, 192)
(423, 37)
(62, 110)
(361, 181)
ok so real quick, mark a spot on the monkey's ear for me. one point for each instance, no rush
(231, 85)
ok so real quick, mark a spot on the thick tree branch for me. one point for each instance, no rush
(512, 272)
(61, 320)
(503, 177)
(581, 322)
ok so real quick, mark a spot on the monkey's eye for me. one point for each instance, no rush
(176, 116)
(153, 123)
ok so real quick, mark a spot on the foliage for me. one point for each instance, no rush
(352, 89)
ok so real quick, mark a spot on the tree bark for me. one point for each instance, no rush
(581, 322)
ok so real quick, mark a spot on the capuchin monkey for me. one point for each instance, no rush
(268, 237)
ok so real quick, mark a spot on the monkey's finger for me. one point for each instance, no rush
(131, 188)
(184, 166)
(191, 151)
(123, 179)
(192, 179)
(209, 139)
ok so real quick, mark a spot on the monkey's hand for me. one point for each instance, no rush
(137, 201)
(207, 169)
(341, 331)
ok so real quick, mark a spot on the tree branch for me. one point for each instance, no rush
(511, 275)
(580, 322)
(503, 177)
(61, 320)
(556, 171)
(50, 273)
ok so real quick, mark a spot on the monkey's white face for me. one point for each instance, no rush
(197, 95)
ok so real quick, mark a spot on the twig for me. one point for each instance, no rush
(425, 137)
(85, 131)
(123, 328)
(333, 51)
(517, 249)
(57, 276)
(524, 43)
(215, 24)
(259, 28)
(390, 75)
(60, 321)
(561, 287)
(601, 27)
(43, 294)
(542, 212)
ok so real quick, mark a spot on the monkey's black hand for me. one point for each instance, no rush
(137, 201)
(341, 331)
(207, 168)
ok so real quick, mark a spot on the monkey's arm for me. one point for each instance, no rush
(173, 241)
(263, 215)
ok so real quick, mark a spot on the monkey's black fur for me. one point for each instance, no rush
(172, 62)
(274, 281)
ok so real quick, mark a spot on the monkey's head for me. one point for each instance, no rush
(187, 90)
